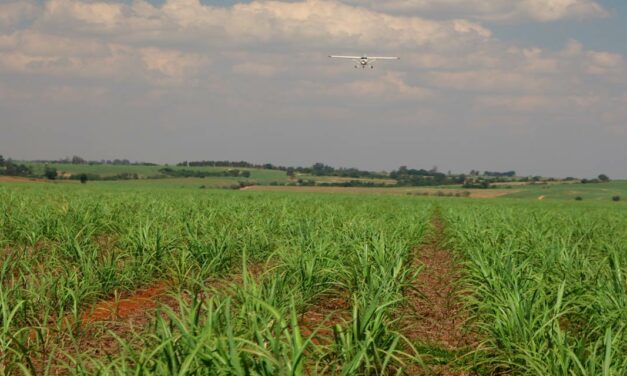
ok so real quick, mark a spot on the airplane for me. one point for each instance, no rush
(364, 61)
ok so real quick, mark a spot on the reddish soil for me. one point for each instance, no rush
(125, 315)
(18, 179)
(144, 300)
(133, 307)
(436, 314)
(127, 308)
(323, 316)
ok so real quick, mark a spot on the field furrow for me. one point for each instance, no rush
(145, 281)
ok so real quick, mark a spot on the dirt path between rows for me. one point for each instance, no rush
(438, 319)
(122, 316)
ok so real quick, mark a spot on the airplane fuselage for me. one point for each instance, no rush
(363, 60)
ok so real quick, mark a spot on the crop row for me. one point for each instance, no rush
(548, 286)
(62, 251)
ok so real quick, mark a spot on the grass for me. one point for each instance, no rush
(548, 285)
(545, 281)
(57, 265)
(593, 192)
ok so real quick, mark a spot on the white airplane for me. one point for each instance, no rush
(364, 61)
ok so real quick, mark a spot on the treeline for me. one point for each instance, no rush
(232, 164)
(10, 168)
(81, 161)
(182, 173)
(600, 179)
(344, 184)
(404, 175)
(496, 174)
(317, 169)
(420, 178)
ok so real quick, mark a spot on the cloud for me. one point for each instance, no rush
(13, 13)
(177, 43)
(536, 103)
(390, 86)
(257, 69)
(311, 21)
(492, 10)
(168, 67)
(249, 58)
(174, 43)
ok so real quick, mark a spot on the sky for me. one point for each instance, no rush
(536, 86)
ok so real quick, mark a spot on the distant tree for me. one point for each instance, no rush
(77, 160)
(83, 178)
(500, 174)
(603, 178)
(290, 171)
(616, 198)
(13, 169)
(471, 184)
(578, 198)
(245, 174)
(1, 161)
(590, 181)
(50, 173)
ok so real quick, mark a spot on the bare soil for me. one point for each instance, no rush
(138, 304)
(123, 316)
(436, 310)
(18, 179)
(322, 317)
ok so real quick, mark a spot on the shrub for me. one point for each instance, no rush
(616, 198)
(578, 198)
(50, 173)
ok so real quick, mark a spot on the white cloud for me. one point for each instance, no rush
(492, 10)
(390, 86)
(171, 67)
(173, 43)
(185, 44)
(317, 21)
(105, 15)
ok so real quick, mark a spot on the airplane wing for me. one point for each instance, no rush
(383, 58)
(345, 57)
